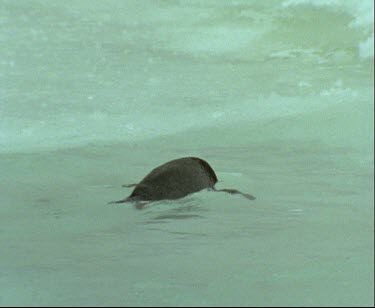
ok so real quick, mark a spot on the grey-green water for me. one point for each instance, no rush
(277, 97)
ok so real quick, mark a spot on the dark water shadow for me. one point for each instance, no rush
(176, 211)
(175, 216)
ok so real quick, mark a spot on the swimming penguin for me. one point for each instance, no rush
(176, 179)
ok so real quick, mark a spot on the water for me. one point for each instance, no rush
(277, 96)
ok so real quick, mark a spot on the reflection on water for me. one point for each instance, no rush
(177, 212)
(176, 216)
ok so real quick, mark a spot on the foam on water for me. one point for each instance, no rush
(67, 130)
(361, 11)
(115, 72)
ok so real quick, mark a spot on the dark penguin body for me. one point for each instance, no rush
(176, 179)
